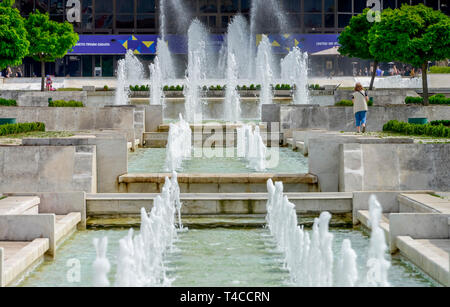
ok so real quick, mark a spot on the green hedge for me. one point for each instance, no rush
(417, 129)
(435, 99)
(8, 102)
(283, 87)
(349, 103)
(173, 88)
(21, 128)
(65, 104)
(439, 70)
(139, 88)
(440, 122)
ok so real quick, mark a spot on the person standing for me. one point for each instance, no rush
(360, 108)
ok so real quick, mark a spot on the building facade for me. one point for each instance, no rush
(102, 24)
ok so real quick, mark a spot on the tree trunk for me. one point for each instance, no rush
(374, 73)
(425, 83)
(42, 76)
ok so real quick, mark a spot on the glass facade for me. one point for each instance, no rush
(142, 17)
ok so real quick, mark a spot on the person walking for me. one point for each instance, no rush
(360, 108)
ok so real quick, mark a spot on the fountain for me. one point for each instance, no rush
(156, 77)
(308, 259)
(238, 44)
(179, 145)
(250, 146)
(141, 257)
(265, 16)
(232, 104)
(130, 71)
(294, 69)
(377, 263)
(121, 96)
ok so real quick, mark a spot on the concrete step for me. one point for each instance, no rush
(17, 257)
(65, 225)
(17, 205)
(363, 217)
(217, 203)
(423, 203)
(208, 127)
(432, 256)
(159, 139)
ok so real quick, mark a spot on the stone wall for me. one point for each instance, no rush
(380, 97)
(128, 119)
(394, 167)
(111, 156)
(342, 118)
(48, 169)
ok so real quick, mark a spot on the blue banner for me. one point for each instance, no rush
(146, 44)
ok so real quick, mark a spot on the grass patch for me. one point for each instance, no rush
(439, 70)
(69, 89)
(39, 134)
(65, 104)
(8, 102)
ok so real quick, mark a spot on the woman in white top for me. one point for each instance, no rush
(360, 108)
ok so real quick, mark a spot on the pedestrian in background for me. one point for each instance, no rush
(360, 108)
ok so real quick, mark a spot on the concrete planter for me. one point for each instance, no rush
(173, 94)
(283, 93)
(249, 93)
(321, 92)
(136, 94)
(215, 93)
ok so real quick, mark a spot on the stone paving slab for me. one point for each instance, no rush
(220, 178)
(431, 202)
(432, 256)
(16, 205)
(19, 257)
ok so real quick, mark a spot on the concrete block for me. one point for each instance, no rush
(28, 228)
(418, 226)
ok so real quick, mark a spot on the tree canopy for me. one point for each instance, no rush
(411, 34)
(49, 40)
(414, 35)
(354, 41)
(13, 36)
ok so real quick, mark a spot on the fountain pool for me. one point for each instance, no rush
(212, 257)
(151, 160)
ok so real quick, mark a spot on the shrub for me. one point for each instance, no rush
(258, 87)
(165, 88)
(144, 88)
(349, 103)
(435, 99)
(417, 129)
(244, 88)
(439, 70)
(252, 87)
(440, 122)
(21, 128)
(179, 88)
(8, 102)
(344, 103)
(65, 104)
(106, 88)
(69, 89)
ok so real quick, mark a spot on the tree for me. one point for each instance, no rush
(414, 35)
(354, 41)
(49, 40)
(13, 36)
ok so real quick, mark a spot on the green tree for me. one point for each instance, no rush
(13, 36)
(414, 35)
(49, 40)
(354, 41)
